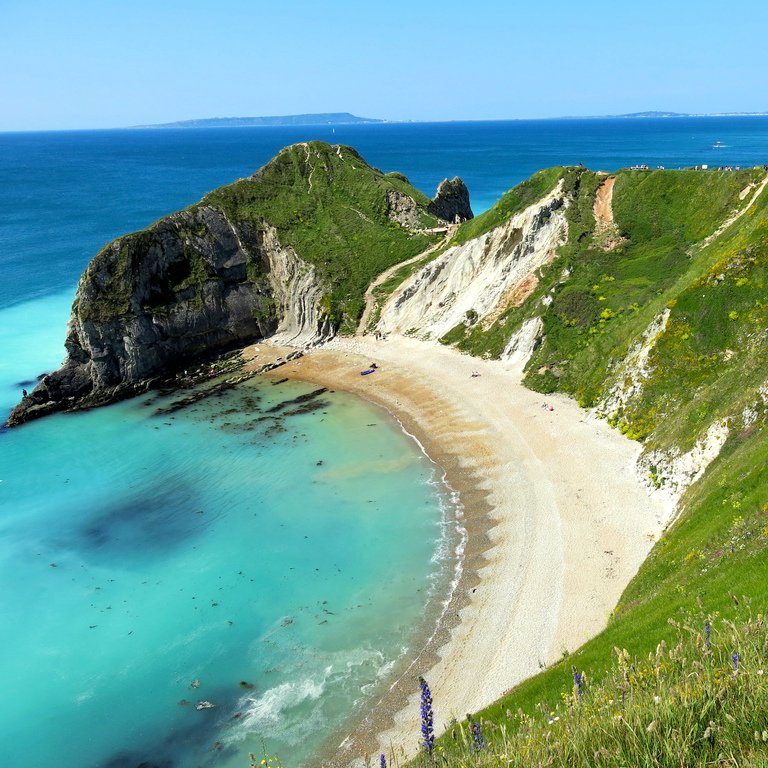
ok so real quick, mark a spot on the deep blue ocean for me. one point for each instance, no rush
(142, 553)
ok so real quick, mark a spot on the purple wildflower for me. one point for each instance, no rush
(478, 742)
(578, 683)
(427, 727)
(735, 660)
(382, 761)
(707, 633)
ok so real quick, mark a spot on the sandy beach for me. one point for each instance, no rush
(557, 521)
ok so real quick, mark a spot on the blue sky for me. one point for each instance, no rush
(110, 63)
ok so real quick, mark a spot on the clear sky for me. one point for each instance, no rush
(111, 63)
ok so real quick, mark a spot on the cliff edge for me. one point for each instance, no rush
(288, 251)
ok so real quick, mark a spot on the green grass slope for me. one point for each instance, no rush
(517, 199)
(698, 698)
(708, 363)
(330, 206)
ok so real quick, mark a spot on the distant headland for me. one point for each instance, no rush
(320, 118)
(657, 114)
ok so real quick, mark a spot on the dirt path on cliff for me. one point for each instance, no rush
(603, 208)
(370, 298)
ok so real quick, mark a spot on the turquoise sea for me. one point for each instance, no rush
(287, 556)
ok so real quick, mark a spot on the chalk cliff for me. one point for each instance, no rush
(474, 282)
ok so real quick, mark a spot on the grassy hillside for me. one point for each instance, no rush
(709, 362)
(331, 207)
(324, 201)
(698, 698)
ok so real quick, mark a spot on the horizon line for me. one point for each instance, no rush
(179, 124)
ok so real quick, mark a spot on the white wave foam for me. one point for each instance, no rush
(272, 706)
(451, 516)
(298, 709)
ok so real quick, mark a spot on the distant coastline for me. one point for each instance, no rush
(320, 118)
(330, 119)
(347, 118)
(658, 115)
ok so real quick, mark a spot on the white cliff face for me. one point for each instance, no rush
(751, 413)
(665, 472)
(524, 341)
(297, 294)
(671, 472)
(633, 371)
(478, 277)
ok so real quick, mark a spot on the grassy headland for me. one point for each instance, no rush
(330, 206)
(324, 201)
(705, 365)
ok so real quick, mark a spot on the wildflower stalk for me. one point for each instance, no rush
(427, 719)
(578, 683)
(478, 742)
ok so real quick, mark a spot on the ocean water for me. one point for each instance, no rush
(226, 543)
(247, 542)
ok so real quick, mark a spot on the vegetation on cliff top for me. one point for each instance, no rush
(517, 199)
(598, 301)
(324, 201)
(331, 208)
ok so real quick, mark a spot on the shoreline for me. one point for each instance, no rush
(546, 555)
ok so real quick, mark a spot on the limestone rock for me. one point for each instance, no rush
(451, 203)
(191, 285)
(477, 278)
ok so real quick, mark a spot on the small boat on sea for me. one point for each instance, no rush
(718, 145)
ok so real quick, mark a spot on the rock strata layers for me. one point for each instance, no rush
(474, 281)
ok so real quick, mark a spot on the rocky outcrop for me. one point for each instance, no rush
(672, 471)
(191, 285)
(403, 209)
(632, 372)
(451, 203)
(470, 282)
